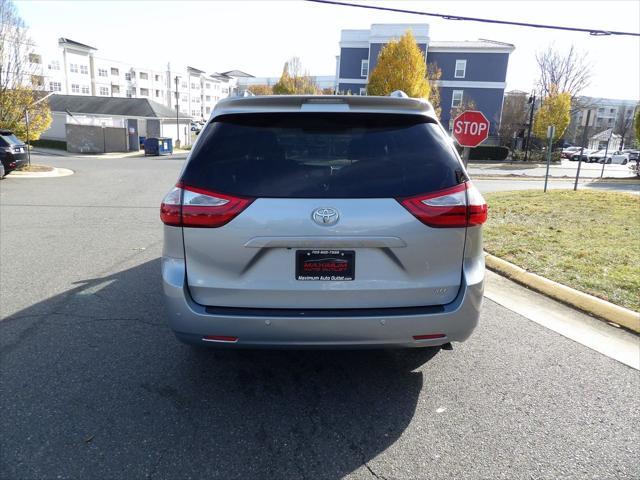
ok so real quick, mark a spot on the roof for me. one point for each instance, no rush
(126, 107)
(236, 73)
(323, 103)
(197, 70)
(73, 43)
(605, 135)
(471, 45)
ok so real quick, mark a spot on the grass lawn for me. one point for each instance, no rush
(587, 240)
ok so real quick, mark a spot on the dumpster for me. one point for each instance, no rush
(158, 146)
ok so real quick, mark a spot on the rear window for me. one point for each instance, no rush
(312, 155)
(9, 139)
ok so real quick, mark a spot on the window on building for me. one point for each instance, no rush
(144, 92)
(84, 70)
(456, 98)
(195, 86)
(115, 88)
(363, 91)
(144, 76)
(183, 97)
(461, 69)
(102, 72)
(157, 93)
(364, 68)
(157, 78)
(127, 76)
(208, 109)
(601, 110)
(54, 65)
(85, 89)
(115, 72)
(207, 85)
(37, 81)
(131, 93)
(184, 85)
(35, 58)
(75, 88)
(194, 113)
(104, 91)
(73, 68)
(55, 86)
(208, 98)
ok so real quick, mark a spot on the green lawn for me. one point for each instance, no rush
(587, 240)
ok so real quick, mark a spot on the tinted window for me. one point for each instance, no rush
(10, 139)
(311, 155)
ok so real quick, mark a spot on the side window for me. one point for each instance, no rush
(461, 69)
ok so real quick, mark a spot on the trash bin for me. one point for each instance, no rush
(142, 139)
(158, 146)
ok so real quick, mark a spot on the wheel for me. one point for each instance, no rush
(624, 162)
(608, 160)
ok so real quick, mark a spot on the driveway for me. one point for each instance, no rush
(95, 386)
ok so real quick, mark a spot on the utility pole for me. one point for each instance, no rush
(584, 140)
(532, 101)
(177, 113)
(26, 119)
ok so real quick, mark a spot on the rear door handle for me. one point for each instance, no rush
(332, 241)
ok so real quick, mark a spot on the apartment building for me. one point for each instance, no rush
(606, 113)
(74, 68)
(472, 71)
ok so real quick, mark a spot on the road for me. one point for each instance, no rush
(93, 384)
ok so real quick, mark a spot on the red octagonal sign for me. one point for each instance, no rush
(470, 128)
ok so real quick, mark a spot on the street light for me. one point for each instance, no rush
(177, 113)
(26, 121)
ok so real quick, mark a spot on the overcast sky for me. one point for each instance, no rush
(258, 36)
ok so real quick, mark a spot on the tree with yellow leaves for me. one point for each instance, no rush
(401, 66)
(555, 110)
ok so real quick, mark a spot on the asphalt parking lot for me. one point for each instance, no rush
(94, 385)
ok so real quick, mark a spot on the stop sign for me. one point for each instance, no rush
(470, 128)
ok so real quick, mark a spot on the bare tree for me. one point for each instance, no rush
(569, 72)
(514, 116)
(624, 125)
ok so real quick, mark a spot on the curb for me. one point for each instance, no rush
(582, 301)
(56, 172)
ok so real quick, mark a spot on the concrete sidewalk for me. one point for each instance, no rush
(566, 169)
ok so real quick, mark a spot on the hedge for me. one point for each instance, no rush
(57, 144)
(487, 152)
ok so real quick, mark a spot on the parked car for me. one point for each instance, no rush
(13, 152)
(615, 157)
(567, 152)
(341, 221)
(585, 155)
(634, 155)
(1, 171)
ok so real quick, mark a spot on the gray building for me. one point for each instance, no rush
(471, 70)
(137, 117)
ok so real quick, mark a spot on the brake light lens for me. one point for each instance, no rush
(189, 206)
(454, 207)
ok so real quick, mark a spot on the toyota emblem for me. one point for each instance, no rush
(325, 216)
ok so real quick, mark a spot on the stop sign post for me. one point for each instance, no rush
(470, 129)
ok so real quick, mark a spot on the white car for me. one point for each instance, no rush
(612, 157)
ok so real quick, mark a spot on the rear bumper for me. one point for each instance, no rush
(254, 328)
(11, 161)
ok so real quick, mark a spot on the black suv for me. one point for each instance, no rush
(13, 153)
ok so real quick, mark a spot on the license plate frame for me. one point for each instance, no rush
(332, 265)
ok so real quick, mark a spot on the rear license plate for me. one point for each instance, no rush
(331, 265)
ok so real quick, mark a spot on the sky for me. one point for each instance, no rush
(259, 36)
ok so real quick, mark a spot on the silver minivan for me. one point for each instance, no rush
(323, 222)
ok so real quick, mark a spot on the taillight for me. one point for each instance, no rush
(189, 206)
(454, 207)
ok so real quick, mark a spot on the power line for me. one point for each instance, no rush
(590, 31)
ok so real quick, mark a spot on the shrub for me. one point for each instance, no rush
(57, 144)
(487, 152)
